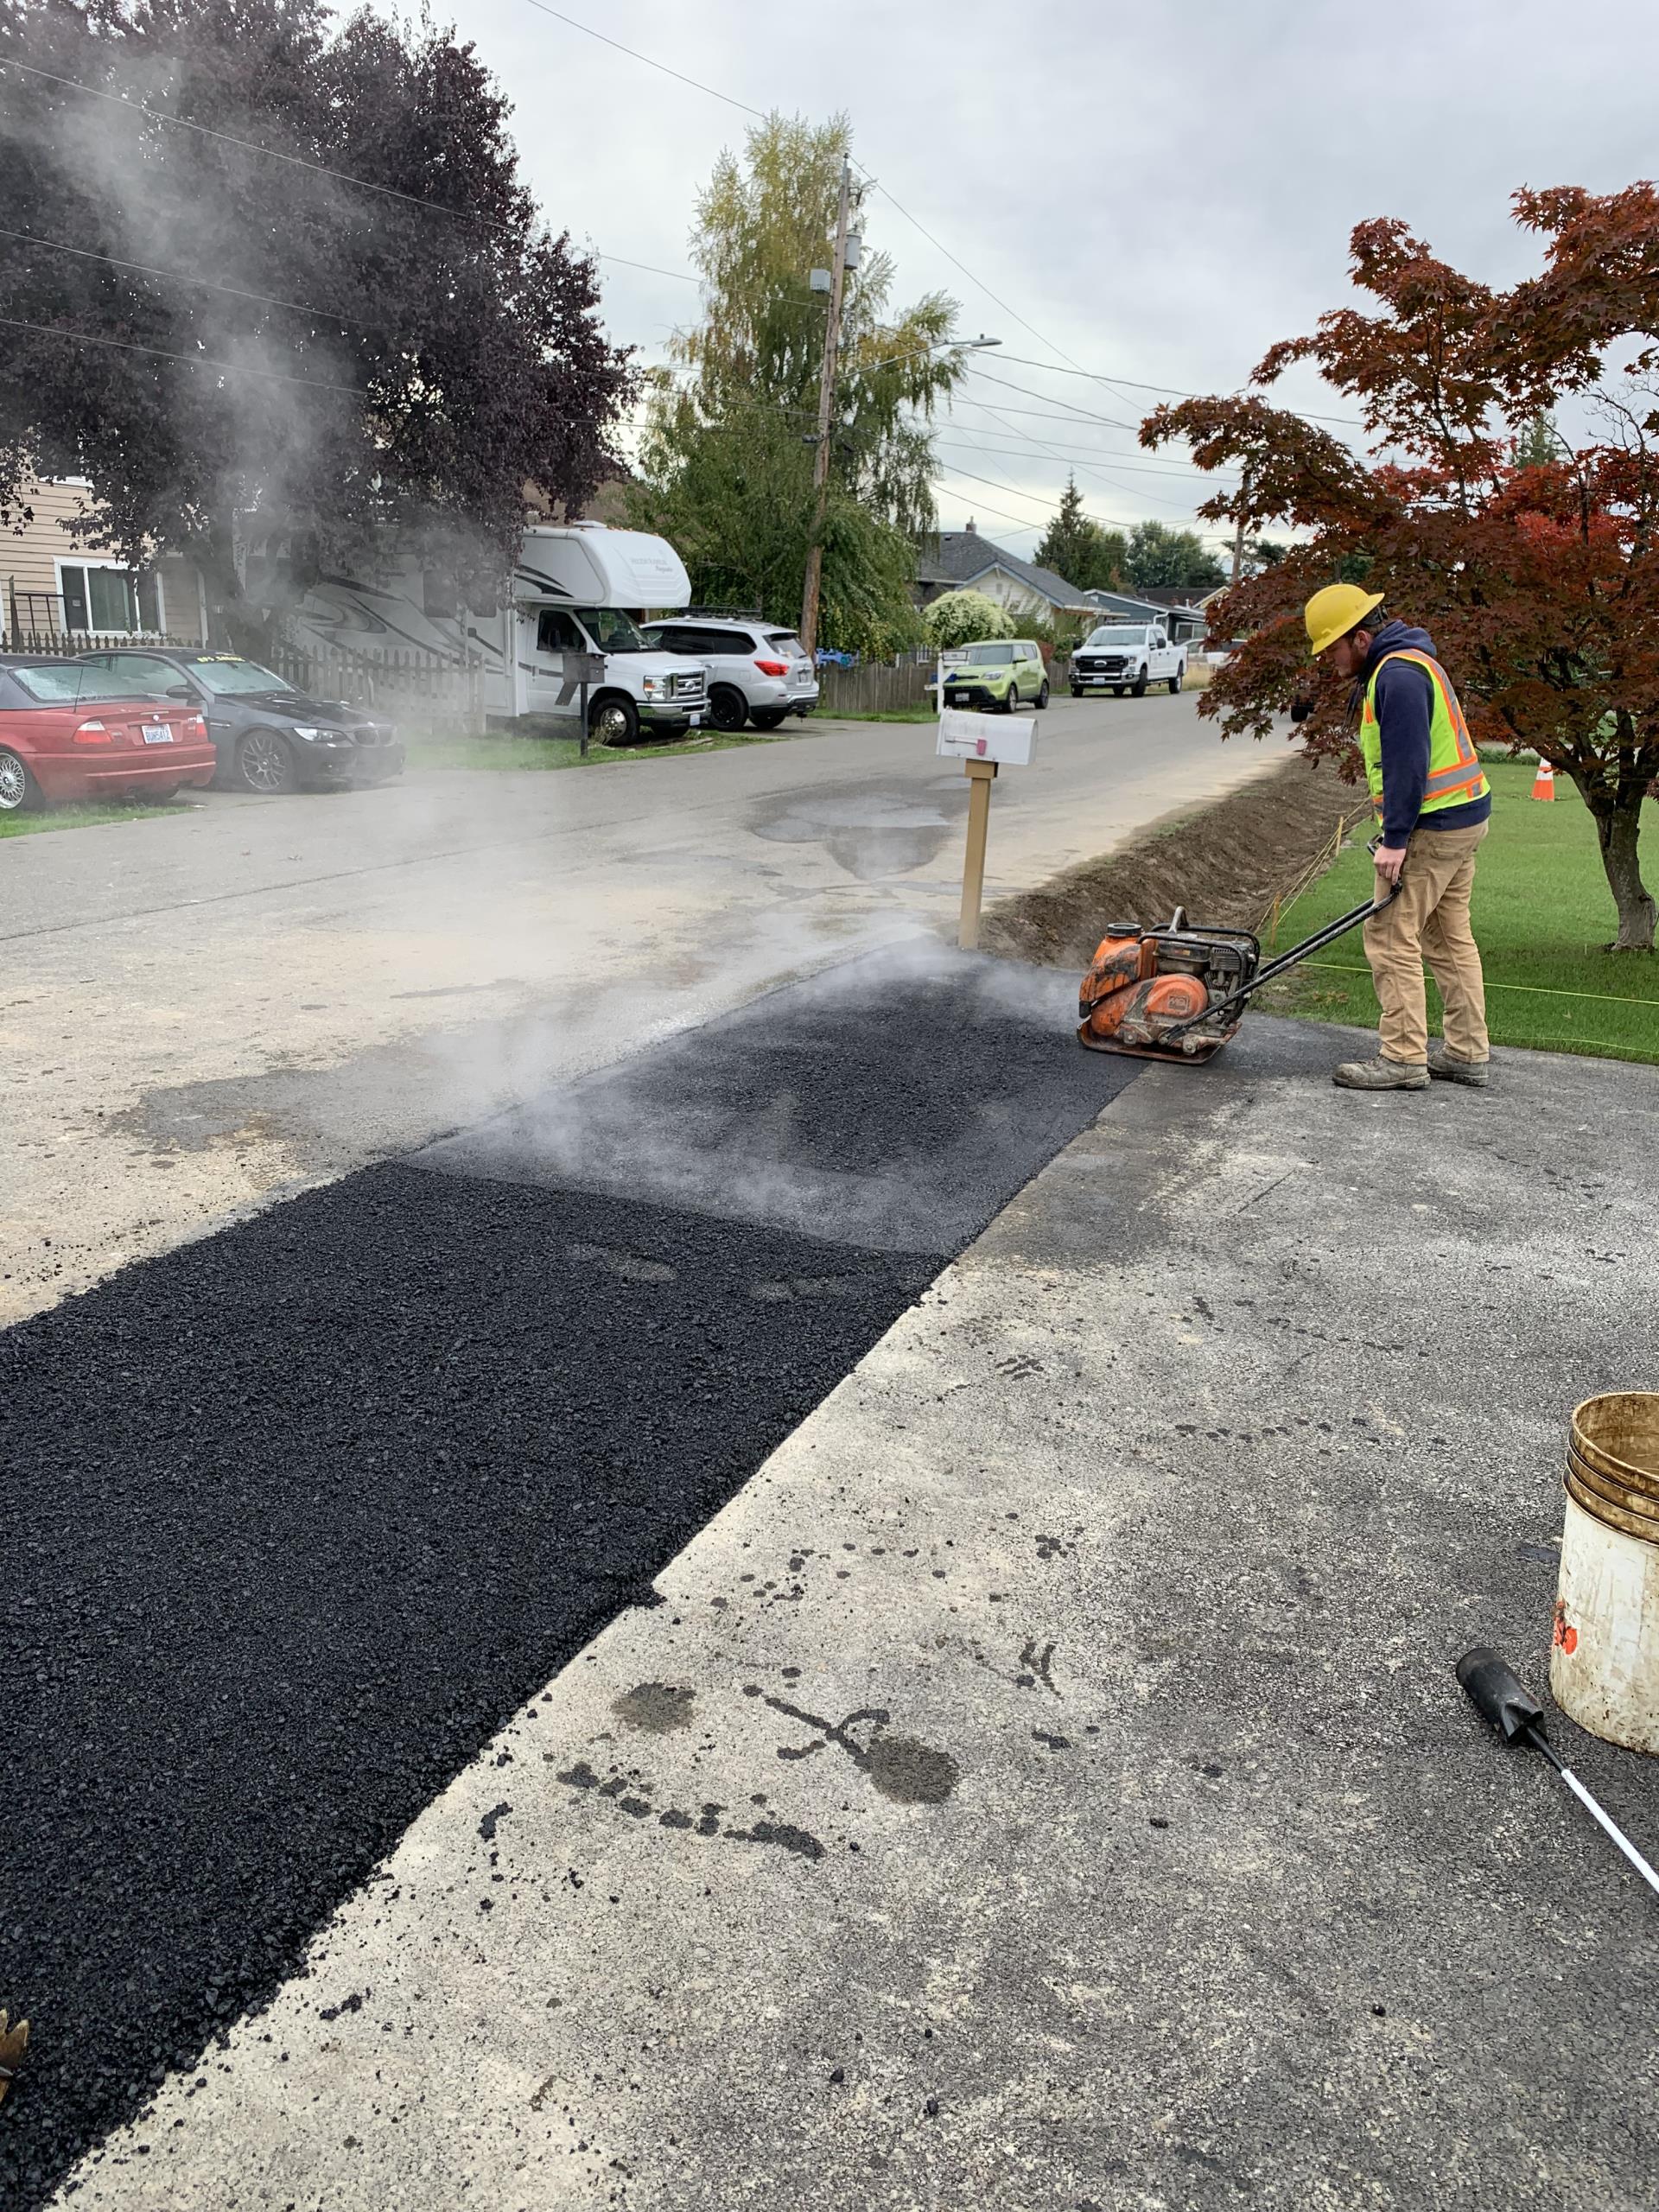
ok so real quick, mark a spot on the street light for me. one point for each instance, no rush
(943, 345)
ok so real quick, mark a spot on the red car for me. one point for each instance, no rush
(67, 731)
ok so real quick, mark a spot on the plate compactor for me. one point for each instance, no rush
(1178, 993)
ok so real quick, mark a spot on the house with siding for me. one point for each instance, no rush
(55, 585)
(963, 559)
(1182, 621)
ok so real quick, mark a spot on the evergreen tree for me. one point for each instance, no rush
(1078, 549)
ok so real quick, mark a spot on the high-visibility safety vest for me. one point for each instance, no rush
(1455, 775)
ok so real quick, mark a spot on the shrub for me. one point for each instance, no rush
(959, 618)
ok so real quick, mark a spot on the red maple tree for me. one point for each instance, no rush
(1533, 562)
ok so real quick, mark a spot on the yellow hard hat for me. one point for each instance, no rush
(1332, 613)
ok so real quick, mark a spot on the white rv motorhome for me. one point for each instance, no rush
(578, 587)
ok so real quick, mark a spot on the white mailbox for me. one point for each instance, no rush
(1006, 739)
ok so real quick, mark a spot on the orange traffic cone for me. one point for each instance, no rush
(1543, 783)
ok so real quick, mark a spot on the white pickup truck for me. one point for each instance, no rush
(1122, 657)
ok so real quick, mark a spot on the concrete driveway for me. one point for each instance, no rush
(261, 993)
(1043, 1786)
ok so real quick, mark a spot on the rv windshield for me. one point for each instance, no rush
(1117, 637)
(611, 630)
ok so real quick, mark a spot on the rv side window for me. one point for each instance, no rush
(556, 633)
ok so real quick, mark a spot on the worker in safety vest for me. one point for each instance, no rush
(1433, 804)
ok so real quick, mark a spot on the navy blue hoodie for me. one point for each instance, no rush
(1405, 705)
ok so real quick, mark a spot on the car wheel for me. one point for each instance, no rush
(1138, 688)
(728, 709)
(768, 717)
(1005, 704)
(1042, 696)
(1175, 682)
(18, 789)
(613, 719)
(264, 762)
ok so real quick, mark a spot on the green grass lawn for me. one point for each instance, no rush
(71, 817)
(1542, 914)
(538, 752)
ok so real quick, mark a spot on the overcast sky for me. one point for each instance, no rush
(1160, 195)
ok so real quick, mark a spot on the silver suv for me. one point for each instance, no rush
(756, 673)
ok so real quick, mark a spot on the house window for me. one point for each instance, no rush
(99, 596)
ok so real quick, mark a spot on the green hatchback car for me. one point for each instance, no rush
(1002, 673)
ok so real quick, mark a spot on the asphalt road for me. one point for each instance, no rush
(299, 1515)
(261, 994)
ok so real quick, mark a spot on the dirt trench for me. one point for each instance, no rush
(1225, 863)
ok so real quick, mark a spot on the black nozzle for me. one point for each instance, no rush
(1500, 1696)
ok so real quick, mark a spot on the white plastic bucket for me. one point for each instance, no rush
(1603, 1664)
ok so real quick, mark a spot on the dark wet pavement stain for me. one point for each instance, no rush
(870, 830)
(902, 1768)
(631, 1796)
(657, 1708)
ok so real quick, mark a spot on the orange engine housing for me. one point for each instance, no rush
(1142, 983)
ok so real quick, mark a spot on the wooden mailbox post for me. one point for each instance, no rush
(982, 745)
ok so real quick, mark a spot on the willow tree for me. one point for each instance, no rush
(726, 458)
(1535, 562)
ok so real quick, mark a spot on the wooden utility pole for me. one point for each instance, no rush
(826, 411)
(1238, 534)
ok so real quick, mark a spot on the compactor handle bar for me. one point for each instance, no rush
(1332, 931)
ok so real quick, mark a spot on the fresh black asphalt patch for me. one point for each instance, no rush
(295, 1517)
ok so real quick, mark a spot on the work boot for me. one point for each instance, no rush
(1446, 1067)
(1380, 1075)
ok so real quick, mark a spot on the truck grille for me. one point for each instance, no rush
(690, 685)
(1095, 666)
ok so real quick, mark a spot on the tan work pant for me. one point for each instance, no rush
(1430, 921)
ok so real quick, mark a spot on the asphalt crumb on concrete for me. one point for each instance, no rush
(297, 1517)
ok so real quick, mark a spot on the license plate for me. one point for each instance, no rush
(697, 720)
(157, 733)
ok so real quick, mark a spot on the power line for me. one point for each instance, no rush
(190, 360)
(680, 275)
(1080, 461)
(875, 183)
(1110, 421)
(1069, 417)
(634, 55)
(995, 296)
(178, 277)
(1050, 507)
(299, 161)
(247, 145)
(1129, 461)
(1170, 391)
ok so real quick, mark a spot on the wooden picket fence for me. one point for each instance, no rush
(429, 689)
(872, 689)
